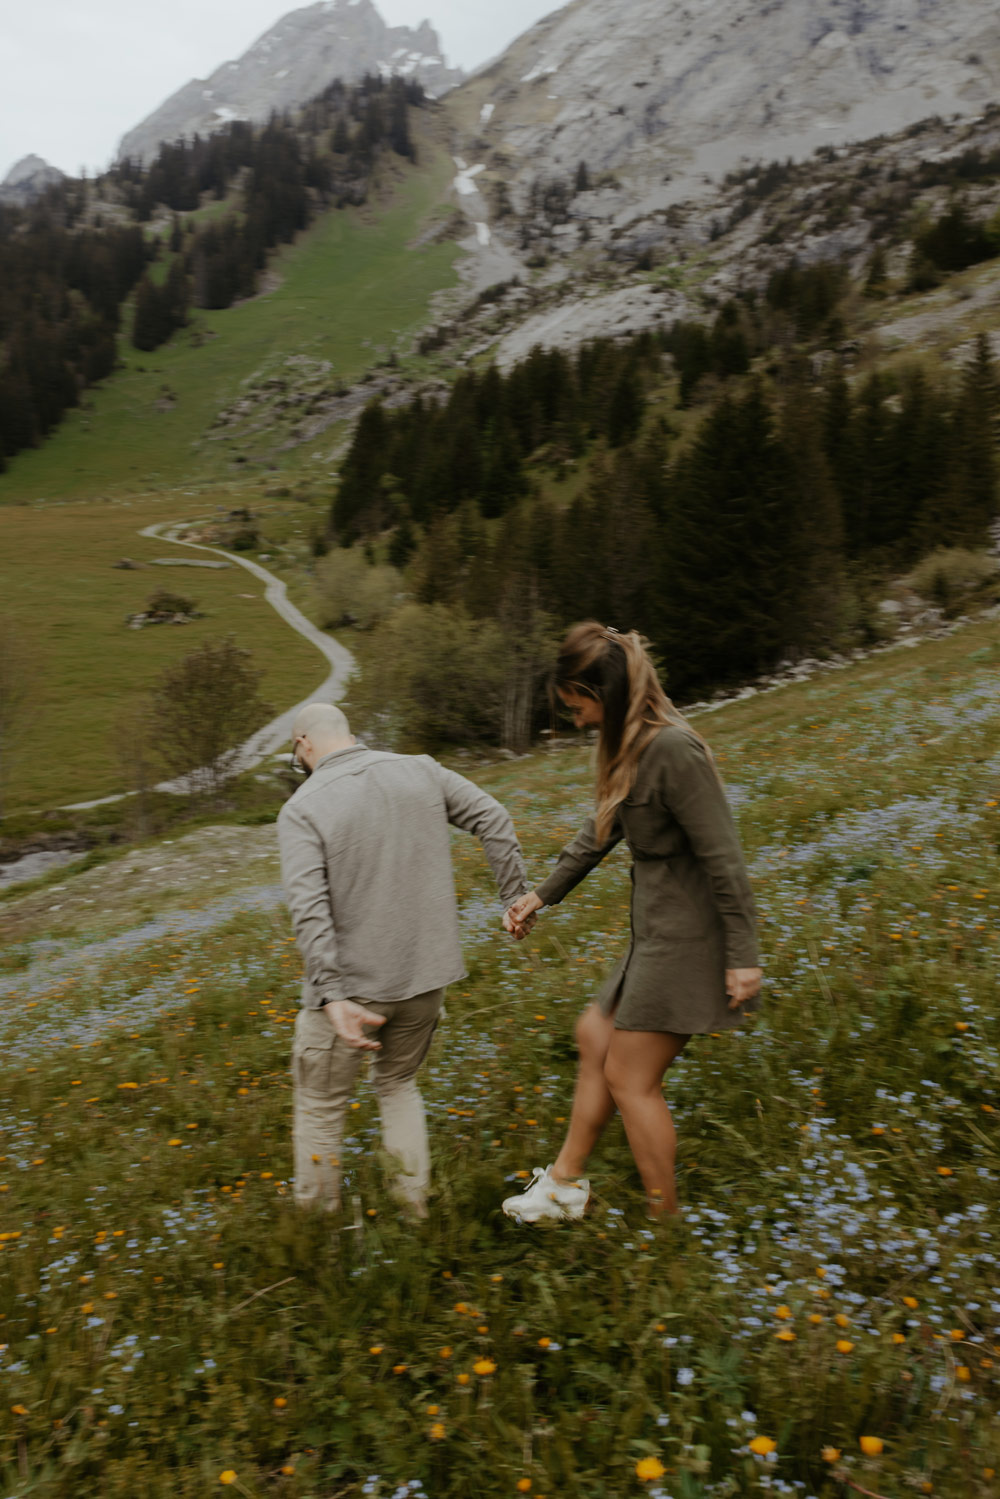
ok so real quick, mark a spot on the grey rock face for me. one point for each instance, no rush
(27, 179)
(296, 59)
(660, 89)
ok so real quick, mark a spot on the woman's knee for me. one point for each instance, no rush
(619, 1077)
(593, 1035)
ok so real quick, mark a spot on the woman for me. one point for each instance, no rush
(691, 966)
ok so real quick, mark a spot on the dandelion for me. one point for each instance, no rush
(911, 1302)
(523, 1485)
(19, 1410)
(437, 1431)
(898, 1337)
(484, 1366)
(844, 1345)
(963, 1373)
(841, 1320)
(544, 1342)
(444, 1353)
(649, 1468)
(945, 1171)
(463, 1379)
(816, 1318)
(872, 1446)
(786, 1335)
(228, 1475)
(280, 1402)
(376, 1348)
(831, 1454)
(956, 1334)
(762, 1446)
(399, 1368)
(784, 1312)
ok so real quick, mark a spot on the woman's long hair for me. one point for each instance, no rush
(617, 671)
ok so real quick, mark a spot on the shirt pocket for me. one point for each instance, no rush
(649, 828)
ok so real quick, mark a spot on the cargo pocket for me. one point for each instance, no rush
(313, 1051)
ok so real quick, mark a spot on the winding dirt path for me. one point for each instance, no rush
(275, 735)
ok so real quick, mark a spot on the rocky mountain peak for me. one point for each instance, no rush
(679, 89)
(28, 178)
(303, 53)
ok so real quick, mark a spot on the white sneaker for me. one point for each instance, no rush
(548, 1198)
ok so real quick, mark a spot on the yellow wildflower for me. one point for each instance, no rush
(762, 1446)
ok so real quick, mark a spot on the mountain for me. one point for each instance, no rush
(662, 92)
(27, 179)
(291, 63)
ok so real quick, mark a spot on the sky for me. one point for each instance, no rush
(75, 75)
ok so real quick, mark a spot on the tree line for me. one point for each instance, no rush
(61, 296)
(747, 541)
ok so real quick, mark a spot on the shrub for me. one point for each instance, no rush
(203, 709)
(433, 676)
(351, 591)
(952, 574)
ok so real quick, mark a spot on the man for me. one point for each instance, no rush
(366, 864)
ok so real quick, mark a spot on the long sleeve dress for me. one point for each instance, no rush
(692, 911)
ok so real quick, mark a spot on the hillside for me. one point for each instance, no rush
(833, 1279)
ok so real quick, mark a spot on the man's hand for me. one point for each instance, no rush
(742, 984)
(520, 917)
(347, 1019)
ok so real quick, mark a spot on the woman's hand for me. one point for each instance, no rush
(742, 984)
(520, 917)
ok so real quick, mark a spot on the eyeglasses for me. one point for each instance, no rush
(295, 764)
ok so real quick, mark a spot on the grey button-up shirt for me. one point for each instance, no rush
(366, 864)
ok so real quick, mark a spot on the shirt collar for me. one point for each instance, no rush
(342, 754)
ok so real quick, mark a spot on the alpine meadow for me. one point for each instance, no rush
(349, 379)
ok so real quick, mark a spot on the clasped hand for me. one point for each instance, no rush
(520, 917)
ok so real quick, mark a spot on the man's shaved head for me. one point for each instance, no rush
(321, 722)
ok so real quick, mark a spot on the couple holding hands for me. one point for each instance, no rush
(366, 863)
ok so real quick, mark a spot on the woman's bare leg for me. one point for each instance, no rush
(633, 1072)
(593, 1104)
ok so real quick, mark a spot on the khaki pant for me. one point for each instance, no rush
(324, 1071)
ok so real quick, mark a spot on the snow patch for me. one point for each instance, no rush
(483, 234)
(464, 183)
(834, 41)
(541, 71)
(224, 114)
(282, 74)
(486, 113)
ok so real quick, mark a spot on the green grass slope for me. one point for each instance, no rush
(824, 1320)
(349, 286)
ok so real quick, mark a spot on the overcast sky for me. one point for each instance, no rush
(75, 75)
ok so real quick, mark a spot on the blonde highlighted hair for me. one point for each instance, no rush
(617, 671)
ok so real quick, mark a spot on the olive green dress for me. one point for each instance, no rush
(692, 910)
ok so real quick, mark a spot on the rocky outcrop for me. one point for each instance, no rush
(662, 95)
(291, 63)
(27, 180)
